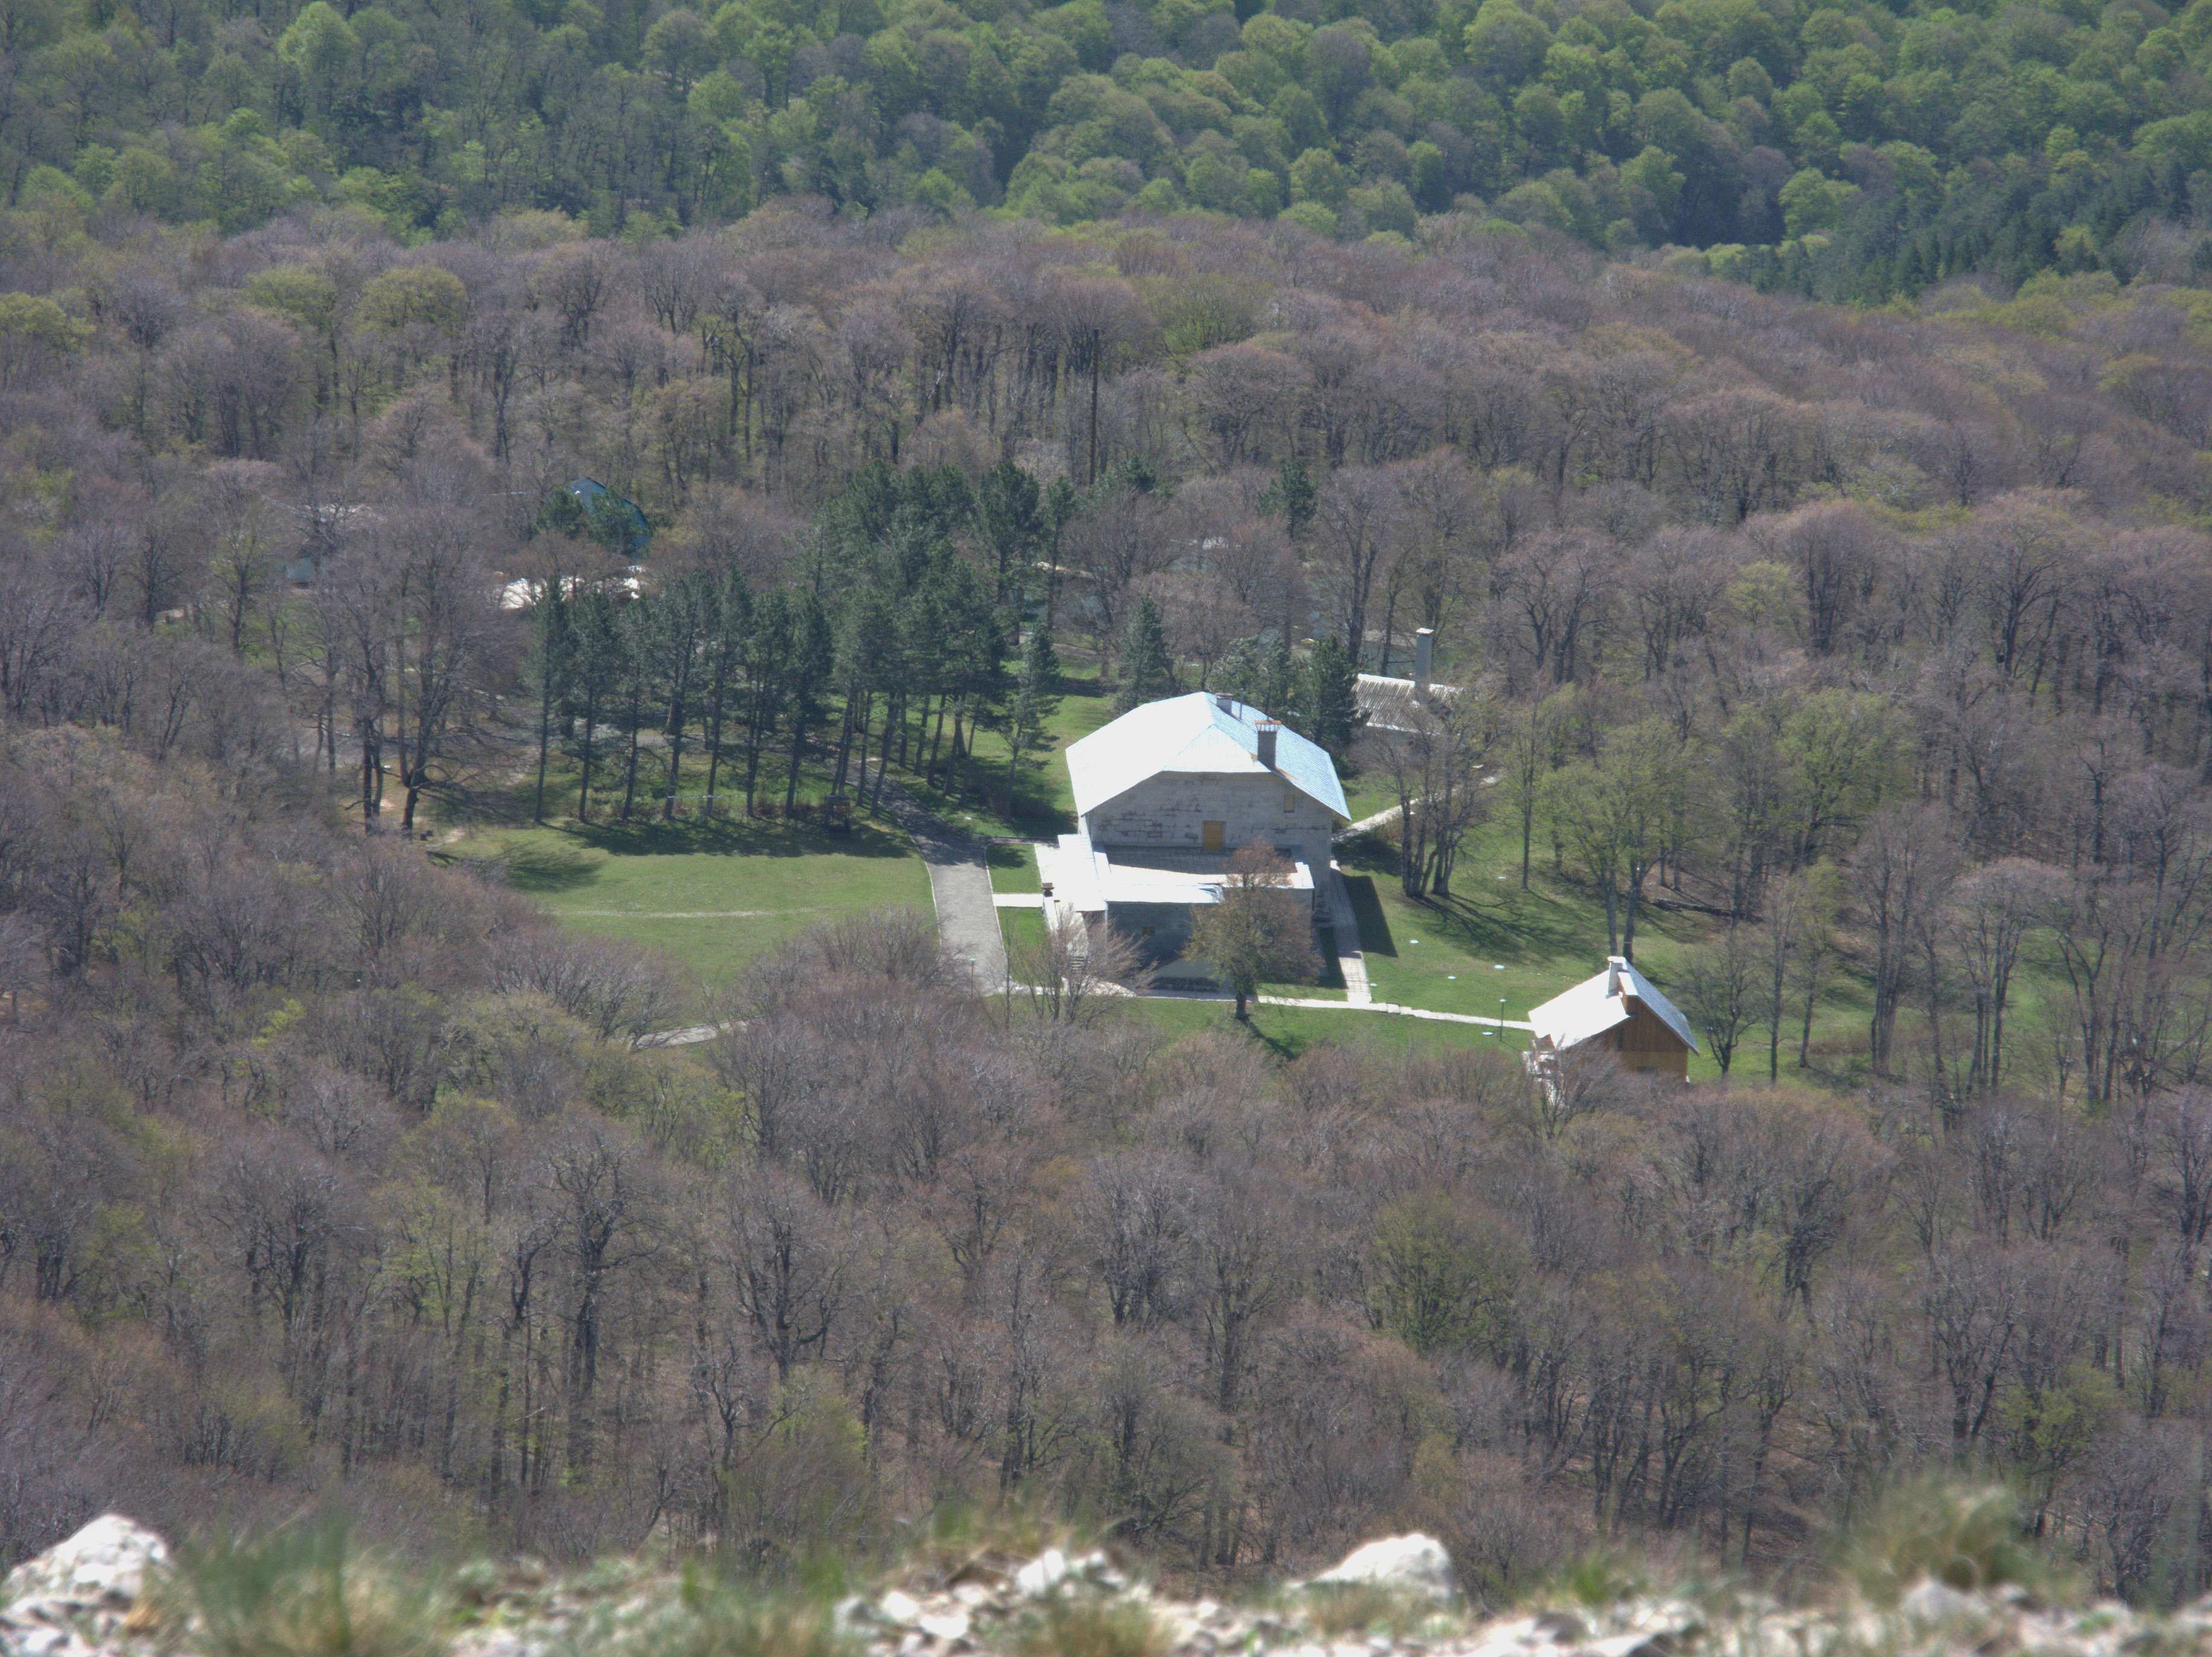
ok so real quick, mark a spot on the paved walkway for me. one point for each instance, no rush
(959, 886)
(1344, 928)
(1352, 830)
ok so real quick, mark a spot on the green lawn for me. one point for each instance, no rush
(1290, 1031)
(1490, 939)
(1013, 868)
(713, 893)
(1368, 791)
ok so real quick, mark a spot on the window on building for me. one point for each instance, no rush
(1289, 799)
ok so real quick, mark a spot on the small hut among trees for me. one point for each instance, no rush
(1619, 1011)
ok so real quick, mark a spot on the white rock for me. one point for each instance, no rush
(1042, 1574)
(1415, 1563)
(40, 1640)
(898, 1609)
(1527, 1631)
(106, 1563)
(946, 1625)
(1932, 1604)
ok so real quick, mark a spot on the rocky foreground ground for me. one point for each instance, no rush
(106, 1592)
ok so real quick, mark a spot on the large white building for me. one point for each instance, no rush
(1167, 794)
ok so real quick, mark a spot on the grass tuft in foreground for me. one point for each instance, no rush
(1361, 1609)
(962, 1535)
(303, 1590)
(718, 1619)
(1078, 1625)
(1968, 1538)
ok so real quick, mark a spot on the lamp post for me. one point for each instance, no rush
(1499, 1034)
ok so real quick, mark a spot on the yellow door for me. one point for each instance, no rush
(1212, 836)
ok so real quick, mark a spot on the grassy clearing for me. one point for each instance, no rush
(1290, 1031)
(1491, 941)
(713, 891)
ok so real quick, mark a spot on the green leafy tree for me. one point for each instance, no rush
(1327, 698)
(1009, 518)
(1036, 698)
(1443, 1275)
(1294, 494)
(1148, 671)
(813, 658)
(1260, 932)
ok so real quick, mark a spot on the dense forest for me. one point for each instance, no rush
(1880, 640)
(1851, 150)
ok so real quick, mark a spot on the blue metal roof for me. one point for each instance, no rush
(1194, 734)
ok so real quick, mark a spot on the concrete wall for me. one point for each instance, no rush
(1172, 808)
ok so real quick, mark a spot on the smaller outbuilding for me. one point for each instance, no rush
(1619, 1011)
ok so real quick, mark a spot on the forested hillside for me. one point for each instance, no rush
(1871, 648)
(1854, 151)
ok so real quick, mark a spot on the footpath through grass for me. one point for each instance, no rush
(1489, 941)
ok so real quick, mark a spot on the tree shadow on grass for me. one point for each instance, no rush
(735, 836)
(1284, 1047)
(1525, 926)
(1374, 937)
(1331, 975)
(542, 867)
(1035, 815)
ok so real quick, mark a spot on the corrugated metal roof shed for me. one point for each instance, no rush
(1194, 734)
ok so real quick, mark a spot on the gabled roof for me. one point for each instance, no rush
(1194, 734)
(1595, 1005)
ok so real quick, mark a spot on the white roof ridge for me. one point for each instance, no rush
(1195, 733)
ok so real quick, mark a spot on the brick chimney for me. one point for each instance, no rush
(1267, 730)
(1424, 650)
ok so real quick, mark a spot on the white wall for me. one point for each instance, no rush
(1172, 808)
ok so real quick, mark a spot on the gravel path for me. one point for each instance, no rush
(959, 885)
